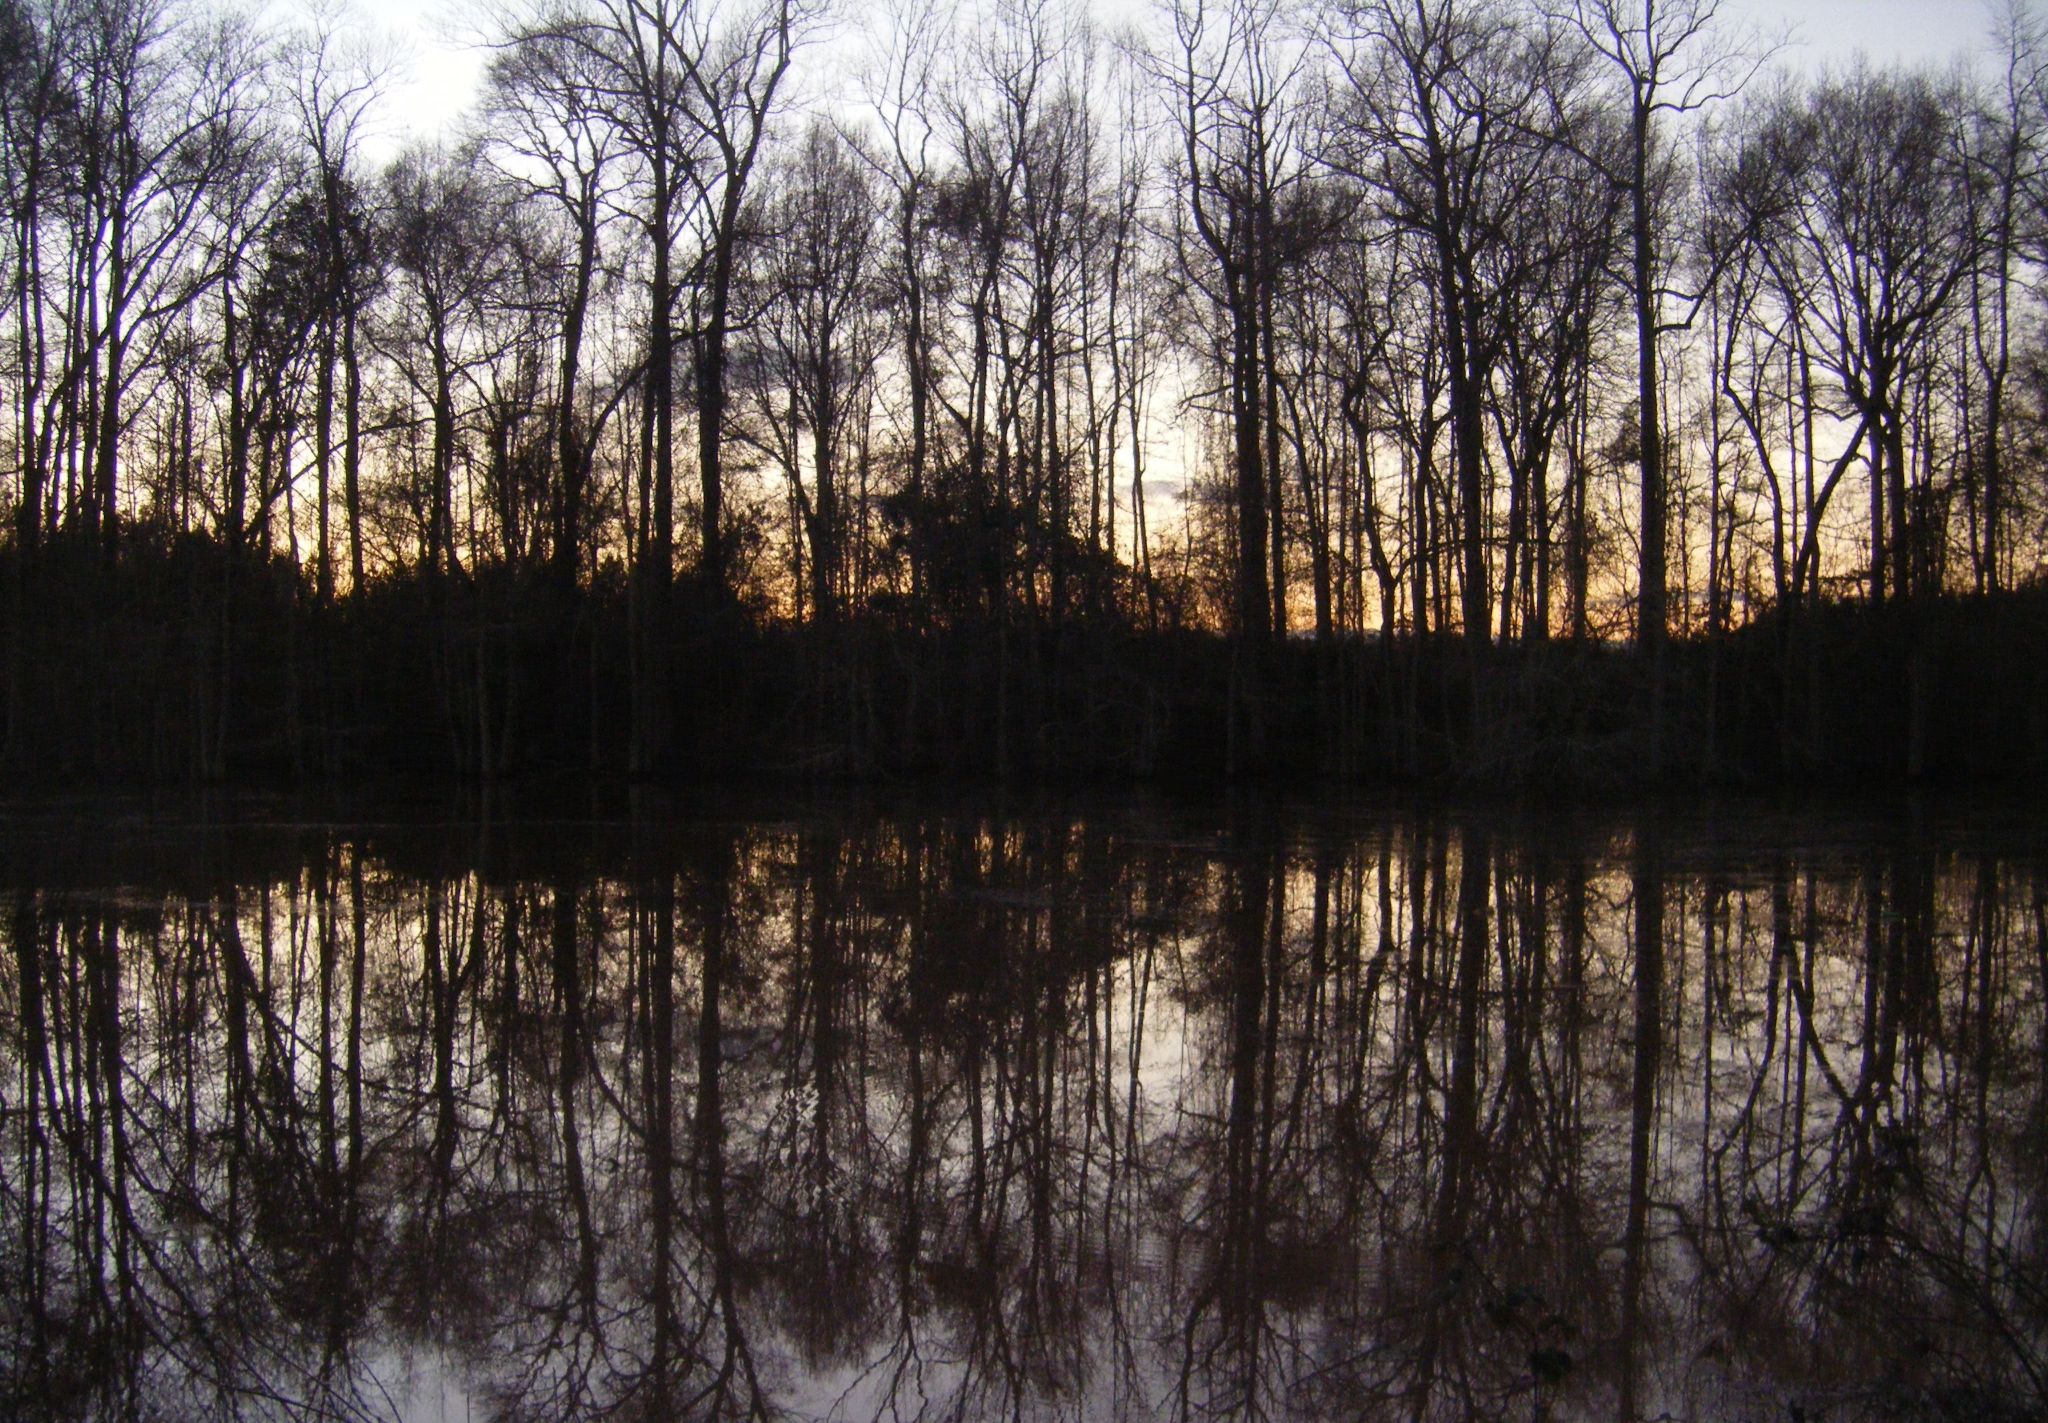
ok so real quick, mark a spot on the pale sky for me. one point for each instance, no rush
(442, 74)
(437, 76)
(1827, 31)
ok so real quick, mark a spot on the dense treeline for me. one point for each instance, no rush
(1518, 387)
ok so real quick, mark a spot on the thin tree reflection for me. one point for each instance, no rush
(1055, 1118)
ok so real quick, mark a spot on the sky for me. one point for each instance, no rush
(437, 75)
(441, 73)
(1829, 31)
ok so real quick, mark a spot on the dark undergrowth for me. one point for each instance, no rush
(174, 664)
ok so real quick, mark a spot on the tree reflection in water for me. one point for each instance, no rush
(955, 1118)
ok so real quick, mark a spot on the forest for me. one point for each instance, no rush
(1492, 391)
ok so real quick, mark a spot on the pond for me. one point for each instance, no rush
(1121, 1110)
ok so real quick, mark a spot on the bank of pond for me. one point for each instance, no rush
(171, 666)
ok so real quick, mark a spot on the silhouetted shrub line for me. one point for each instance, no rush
(160, 668)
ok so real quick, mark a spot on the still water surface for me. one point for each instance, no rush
(1125, 1113)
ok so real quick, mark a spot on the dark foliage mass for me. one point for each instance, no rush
(409, 681)
(1482, 388)
(1156, 1115)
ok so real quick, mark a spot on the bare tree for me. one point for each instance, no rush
(164, 102)
(446, 226)
(820, 337)
(1877, 233)
(732, 62)
(550, 131)
(1669, 63)
(336, 83)
(1231, 83)
(899, 86)
(2005, 148)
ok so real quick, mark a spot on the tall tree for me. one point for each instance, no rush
(1668, 62)
(1232, 83)
(336, 83)
(1446, 126)
(733, 59)
(551, 137)
(447, 230)
(819, 336)
(1879, 237)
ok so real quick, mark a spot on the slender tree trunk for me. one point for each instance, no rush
(1653, 615)
(352, 448)
(569, 457)
(323, 455)
(107, 461)
(1649, 1057)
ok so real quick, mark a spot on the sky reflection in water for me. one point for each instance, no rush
(1105, 1115)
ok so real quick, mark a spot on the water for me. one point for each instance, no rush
(1133, 1111)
